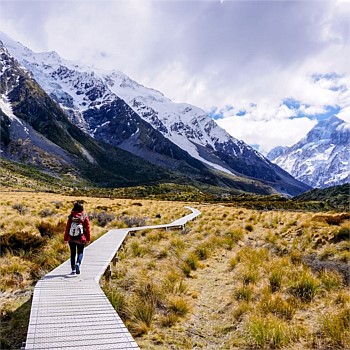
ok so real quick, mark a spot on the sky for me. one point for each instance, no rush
(266, 71)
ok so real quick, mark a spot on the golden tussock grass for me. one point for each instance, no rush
(233, 279)
(248, 282)
(31, 231)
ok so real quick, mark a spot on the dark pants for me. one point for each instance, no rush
(74, 249)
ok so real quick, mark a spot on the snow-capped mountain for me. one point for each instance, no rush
(35, 131)
(110, 106)
(321, 159)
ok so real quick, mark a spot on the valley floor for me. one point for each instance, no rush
(238, 279)
(235, 278)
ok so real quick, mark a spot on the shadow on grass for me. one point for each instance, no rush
(14, 327)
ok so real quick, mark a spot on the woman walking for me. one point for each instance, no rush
(77, 235)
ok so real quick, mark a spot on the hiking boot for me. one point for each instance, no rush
(77, 269)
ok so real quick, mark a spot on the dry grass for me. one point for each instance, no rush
(249, 282)
(233, 279)
(31, 231)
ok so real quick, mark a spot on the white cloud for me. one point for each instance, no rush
(312, 110)
(208, 53)
(271, 133)
(345, 114)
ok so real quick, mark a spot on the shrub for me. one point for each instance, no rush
(342, 298)
(21, 208)
(332, 219)
(58, 204)
(46, 212)
(253, 256)
(103, 218)
(144, 312)
(20, 241)
(177, 245)
(230, 238)
(155, 236)
(242, 309)
(174, 283)
(48, 230)
(328, 251)
(132, 222)
(103, 207)
(344, 256)
(235, 235)
(233, 262)
(162, 253)
(295, 257)
(342, 234)
(148, 292)
(186, 269)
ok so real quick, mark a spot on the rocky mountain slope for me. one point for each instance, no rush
(321, 159)
(35, 130)
(111, 107)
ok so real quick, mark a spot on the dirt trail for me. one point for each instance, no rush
(214, 286)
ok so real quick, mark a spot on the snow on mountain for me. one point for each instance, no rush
(321, 158)
(107, 105)
(77, 88)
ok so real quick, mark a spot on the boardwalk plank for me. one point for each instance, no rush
(72, 312)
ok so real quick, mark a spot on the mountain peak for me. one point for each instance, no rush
(323, 130)
(113, 108)
(321, 158)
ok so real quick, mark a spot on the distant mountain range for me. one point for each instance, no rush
(74, 121)
(321, 158)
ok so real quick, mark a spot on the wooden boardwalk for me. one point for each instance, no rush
(72, 312)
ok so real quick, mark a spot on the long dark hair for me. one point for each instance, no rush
(78, 206)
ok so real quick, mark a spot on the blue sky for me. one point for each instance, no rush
(266, 70)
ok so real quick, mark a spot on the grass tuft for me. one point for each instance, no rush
(335, 327)
(268, 332)
(277, 306)
(275, 279)
(331, 280)
(305, 287)
(243, 293)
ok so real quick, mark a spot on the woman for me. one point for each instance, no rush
(77, 235)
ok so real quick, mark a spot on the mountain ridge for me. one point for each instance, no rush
(321, 158)
(89, 101)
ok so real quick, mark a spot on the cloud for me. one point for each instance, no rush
(270, 133)
(208, 53)
(345, 114)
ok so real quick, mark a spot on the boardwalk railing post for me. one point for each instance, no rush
(115, 259)
(108, 273)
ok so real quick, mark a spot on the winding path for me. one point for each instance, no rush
(72, 312)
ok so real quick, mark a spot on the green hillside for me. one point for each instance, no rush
(335, 196)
